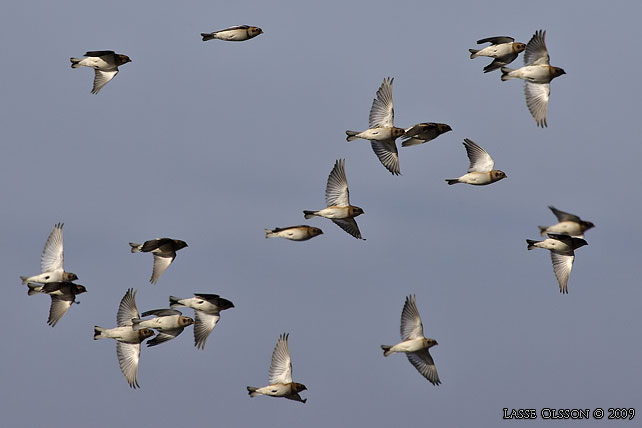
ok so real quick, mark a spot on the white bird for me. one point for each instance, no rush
(537, 74)
(413, 343)
(105, 65)
(207, 308)
(562, 248)
(128, 340)
(51, 261)
(169, 323)
(382, 133)
(480, 171)
(280, 378)
(337, 199)
(237, 33)
(63, 295)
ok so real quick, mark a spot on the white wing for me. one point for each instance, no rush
(386, 151)
(160, 265)
(336, 191)
(536, 52)
(59, 307)
(52, 254)
(281, 366)
(424, 363)
(537, 100)
(562, 265)
(128, 357)
(382, 113)
(480, 160)
(203, 326)
(101, 78)
(411, 327)
(127, 309)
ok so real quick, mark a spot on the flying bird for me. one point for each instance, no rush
(562, 248)
(207, 308)
(382, 133)
(168, 322)
(337, 199)
(568, 224)
(63, 295)
(237, 33)
(423, 132)
(164, 251)
(294, 233)
(537, 74)
(128, 340)
(413, 343)
(51, 261)
(105, 65)
(280, 379)
(503, 49)
(480, 171)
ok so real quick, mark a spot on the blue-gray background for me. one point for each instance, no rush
(212, 142)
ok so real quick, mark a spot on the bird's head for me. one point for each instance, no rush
(298, 387)
(355, 211)
(123, 59)
(185, 321)
(497, 175)
(68, 277)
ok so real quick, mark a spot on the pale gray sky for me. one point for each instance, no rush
(213, 142)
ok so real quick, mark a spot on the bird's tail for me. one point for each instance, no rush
(207, 36)
(309, 214)
(135, 247)
(542, 230)
(174, 301)
(75, 62)
(506, 73)
(386, 350)
(34, 289)
(98, 332)
(351, 135)
(24, 279)
(270, 233)
(252, 391)
(452, 181)
(531, 244)
(473, 53)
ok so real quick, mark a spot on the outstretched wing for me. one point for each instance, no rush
(562, 265)
(52, 254)
(386, 151)
(537, 100)
(127, 309)
(564, 216)
(424, 363)
(128, 357)
(281, 366)
(382, 114)
(536, 52)
(349, 225)
(411, 326)
(336, 191)
(101, 78)
(480, 160)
